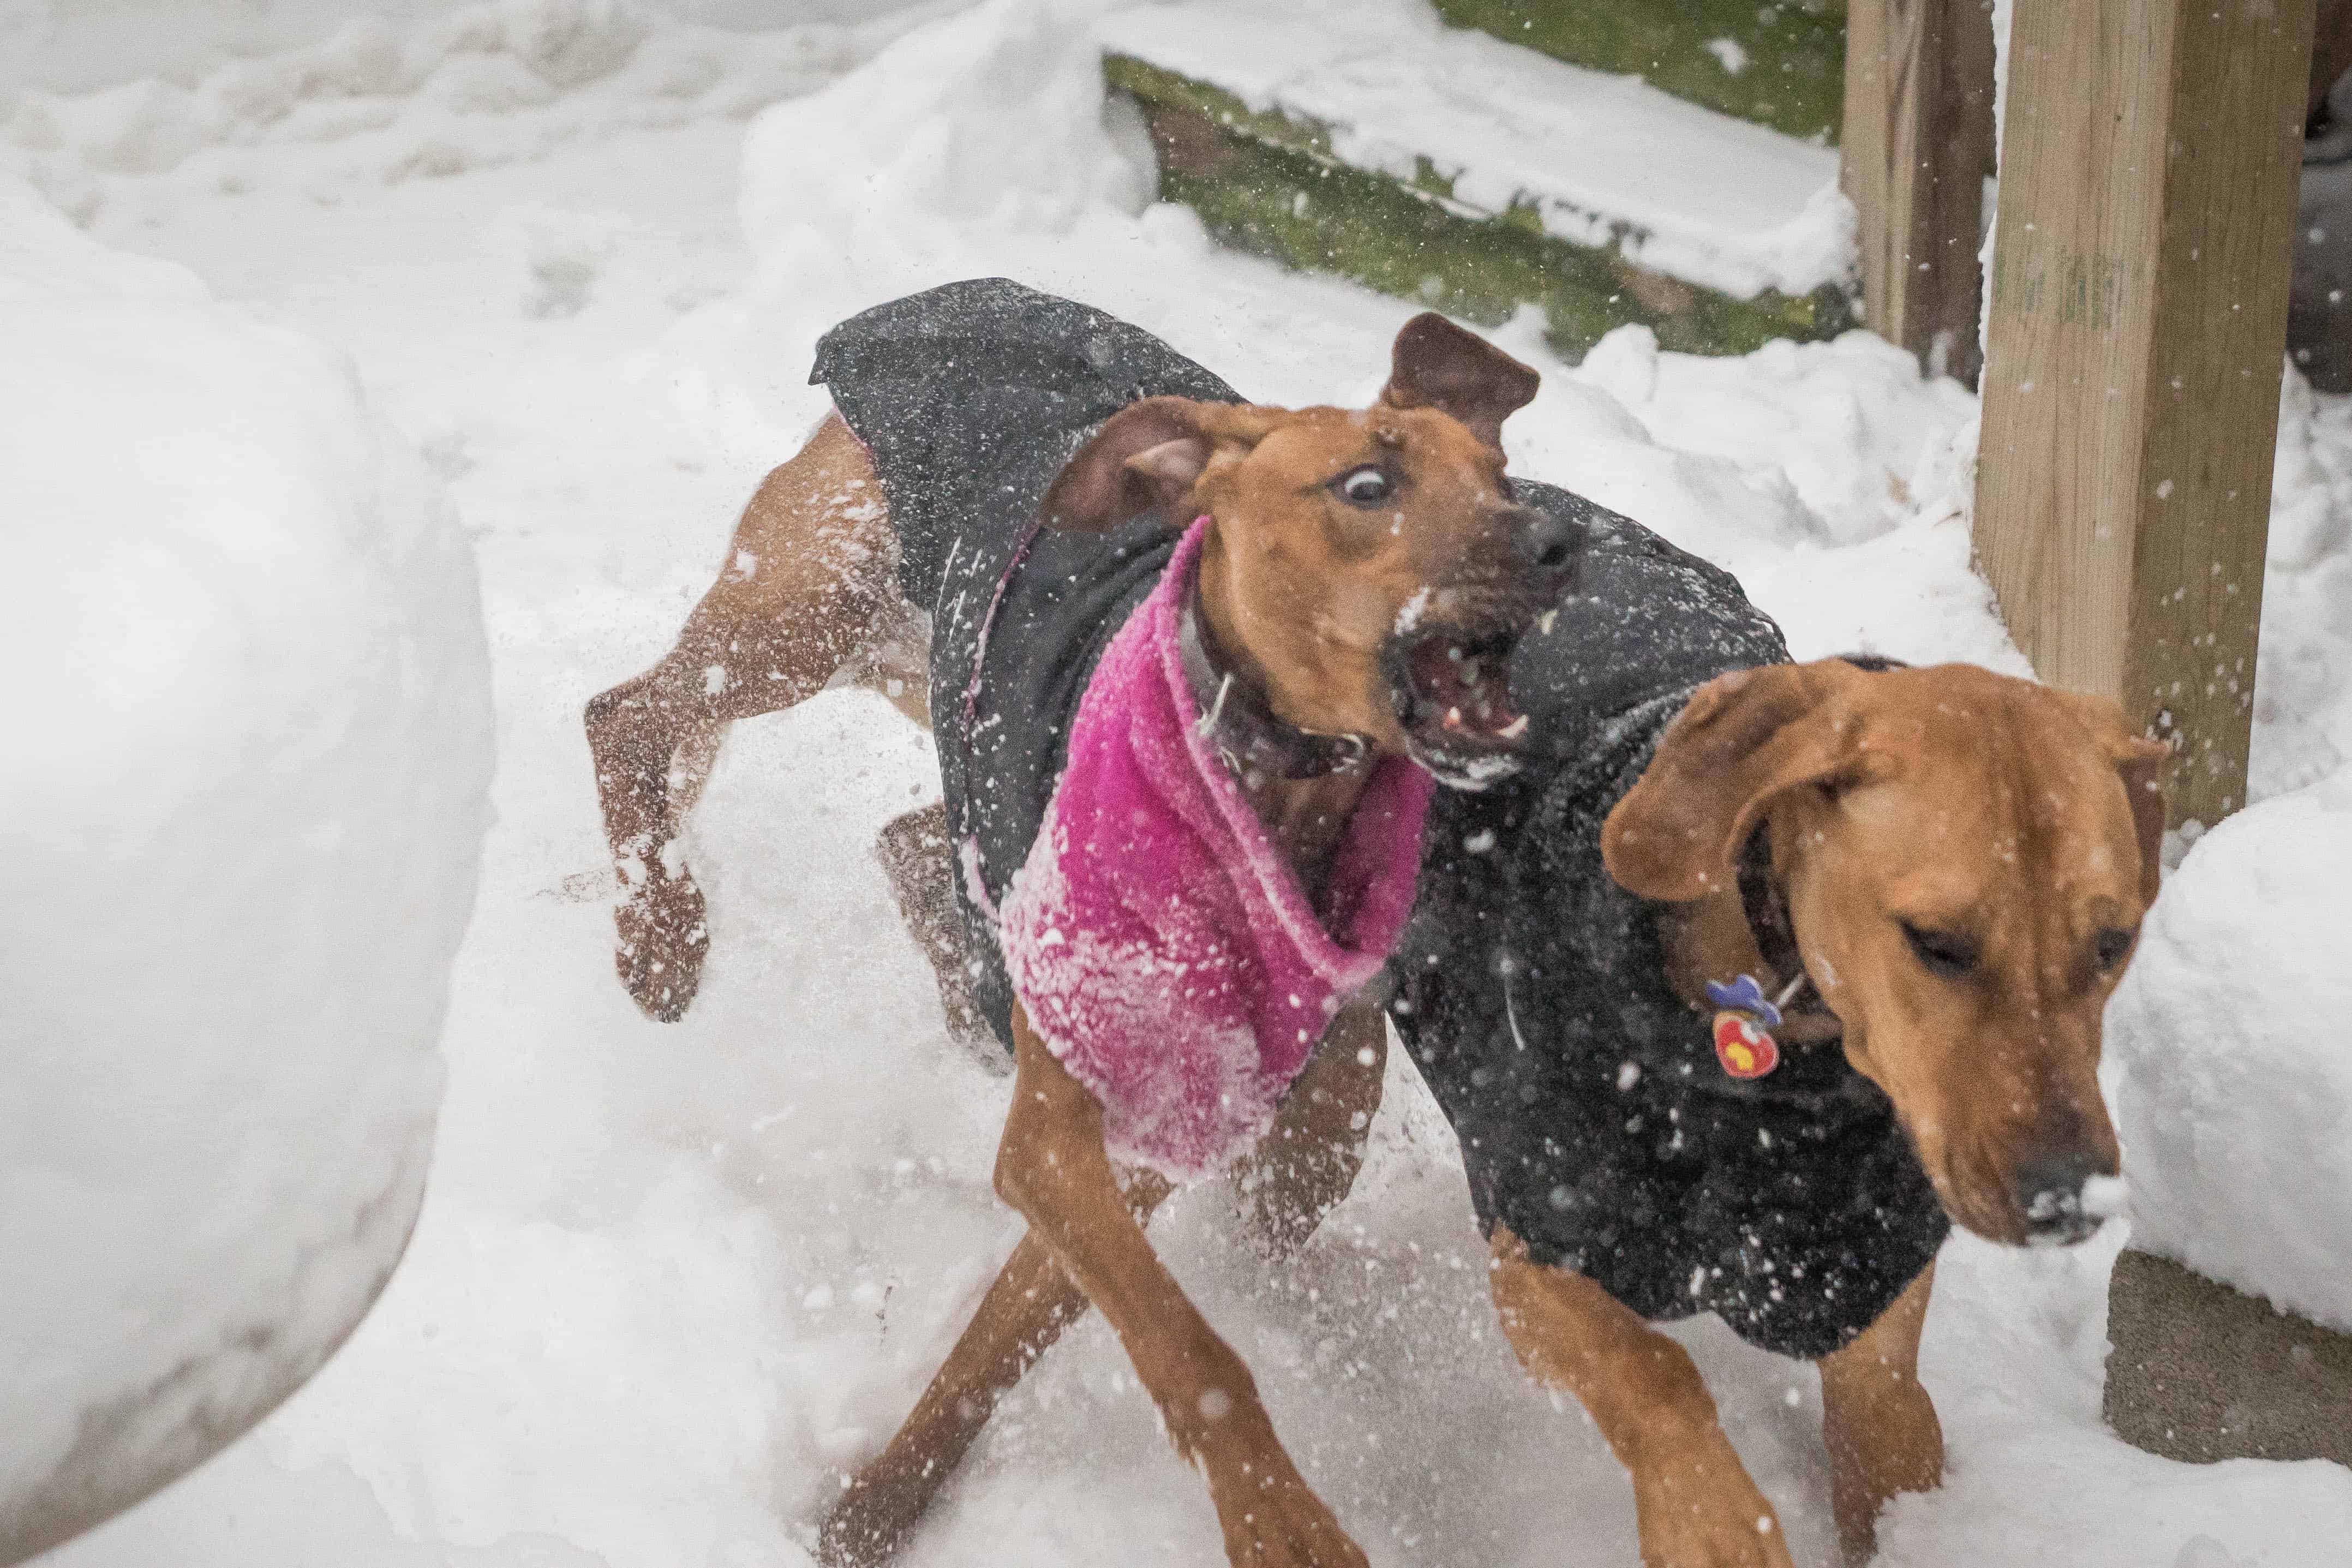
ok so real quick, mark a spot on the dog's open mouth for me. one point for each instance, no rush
(1452, 689)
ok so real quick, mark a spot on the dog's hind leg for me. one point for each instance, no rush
(810, 581)
(913, 850)
(1306, 1163)
(1694, 1501)
(1027, 1309)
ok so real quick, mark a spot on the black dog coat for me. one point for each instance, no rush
(1595, 1118)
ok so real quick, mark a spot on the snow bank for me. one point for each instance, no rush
(482, 84)
(241, 816)
(1601, 160)
(75, 46)
(2303, 686)
(2233, 1082)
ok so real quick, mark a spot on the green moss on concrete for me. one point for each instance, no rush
(1154, 85)
(1794, 79)
(1270, 185)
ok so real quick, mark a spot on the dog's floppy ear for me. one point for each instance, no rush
(1149, 452)
(1744, 740)
(1436, 364)
(2141, 764)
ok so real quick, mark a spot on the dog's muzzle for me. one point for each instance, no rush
(1450, 674)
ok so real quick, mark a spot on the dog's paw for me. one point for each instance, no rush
(1271, 1518)
(863, 1528)
(662, 938)
(1702, 1511)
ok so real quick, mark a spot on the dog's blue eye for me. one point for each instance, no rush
(1946, 953)
(1366, 487)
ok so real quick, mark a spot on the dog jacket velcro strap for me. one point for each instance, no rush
(1161, 946)
(1245, 731)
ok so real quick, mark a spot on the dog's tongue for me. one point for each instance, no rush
(1473, 698)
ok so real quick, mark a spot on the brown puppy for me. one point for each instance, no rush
(1348, 554)
(1963, 860)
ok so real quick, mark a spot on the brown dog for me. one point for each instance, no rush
(1363, 576)
(1957, 861)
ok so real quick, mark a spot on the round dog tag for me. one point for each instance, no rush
(1745, 1049)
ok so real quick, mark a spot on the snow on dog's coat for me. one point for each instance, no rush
(1163, 947)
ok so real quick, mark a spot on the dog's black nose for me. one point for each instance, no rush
(2050, 1193)
(1548, 541)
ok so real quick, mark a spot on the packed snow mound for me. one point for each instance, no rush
(2235, 1092)
(2235, 1087)
(249, 688)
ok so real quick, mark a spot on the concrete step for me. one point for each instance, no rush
(1363, 137)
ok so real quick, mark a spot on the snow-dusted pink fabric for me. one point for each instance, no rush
(1160, 944)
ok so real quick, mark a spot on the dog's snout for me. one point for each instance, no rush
(2050, 1193)
(1547, 542)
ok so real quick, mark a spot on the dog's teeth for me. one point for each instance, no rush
(1515, 729)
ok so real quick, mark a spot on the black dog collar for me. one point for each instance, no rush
(1245, 731)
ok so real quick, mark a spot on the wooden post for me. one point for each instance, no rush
(1918, 145)
(2149, 159)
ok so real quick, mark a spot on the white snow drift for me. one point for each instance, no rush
(241, 802)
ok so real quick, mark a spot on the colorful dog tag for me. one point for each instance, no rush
(1744, 1022)
(1744, 1050)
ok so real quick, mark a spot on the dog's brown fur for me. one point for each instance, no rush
(1989, 813)
(1300, 592)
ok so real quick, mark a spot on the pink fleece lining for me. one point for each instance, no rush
(1161, 946)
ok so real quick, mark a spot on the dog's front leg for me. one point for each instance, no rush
(1306, 1163)
(1880, 1425)
(1054, 1168)
(1696, 1505)
(1024, 1312)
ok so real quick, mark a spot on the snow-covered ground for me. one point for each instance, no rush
(669, 1281)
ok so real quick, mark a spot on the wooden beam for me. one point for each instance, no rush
(2149, 158)
(1917, 148)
